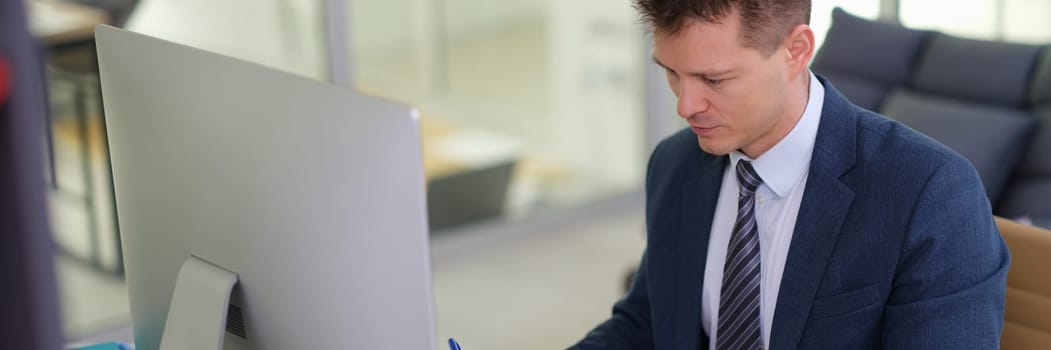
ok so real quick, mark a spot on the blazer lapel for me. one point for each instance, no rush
(821, 215)
(826, 202)
(700, 196)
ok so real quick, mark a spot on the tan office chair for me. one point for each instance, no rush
(1027, 320)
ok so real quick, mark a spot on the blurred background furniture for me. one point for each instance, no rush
(78, 159)
(988, 100)
(469, 173)
(1027, 320)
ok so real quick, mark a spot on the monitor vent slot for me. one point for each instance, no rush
(235, 322)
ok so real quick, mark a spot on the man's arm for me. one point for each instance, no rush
(948, 291)
(629, 327)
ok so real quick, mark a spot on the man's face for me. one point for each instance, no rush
(733, 97)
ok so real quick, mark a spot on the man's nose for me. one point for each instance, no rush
(692, 100)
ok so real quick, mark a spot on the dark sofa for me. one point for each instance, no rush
(988, 100)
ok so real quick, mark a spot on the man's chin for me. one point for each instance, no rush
(709, 148)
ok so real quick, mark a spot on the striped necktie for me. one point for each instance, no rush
(739, 301)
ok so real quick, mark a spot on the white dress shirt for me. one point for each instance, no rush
(784, 169)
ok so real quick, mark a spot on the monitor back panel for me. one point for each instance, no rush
(312, 193)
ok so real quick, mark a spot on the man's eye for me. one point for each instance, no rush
(713, 81)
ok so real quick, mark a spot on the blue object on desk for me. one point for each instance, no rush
(453, 345)
(104, 346)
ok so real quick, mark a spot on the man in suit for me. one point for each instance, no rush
(801, 220)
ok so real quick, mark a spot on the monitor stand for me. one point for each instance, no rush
(197, 315)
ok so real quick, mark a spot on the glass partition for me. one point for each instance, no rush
(551, 87)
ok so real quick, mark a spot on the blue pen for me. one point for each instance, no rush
(453, 345)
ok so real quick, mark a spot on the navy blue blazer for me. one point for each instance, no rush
(894, 247)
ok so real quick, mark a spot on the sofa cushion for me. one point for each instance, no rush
(992, 138)
(882, 52)
(862, 92)
(1037, 159)
(1041, 89)
(1029, 198)
(1041, 221)
(977, 70)
(1029, 193)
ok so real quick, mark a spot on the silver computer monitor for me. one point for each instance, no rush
(310, 194)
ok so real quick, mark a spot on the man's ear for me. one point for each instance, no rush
(799, 48)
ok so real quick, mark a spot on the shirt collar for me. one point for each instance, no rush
(784, 164)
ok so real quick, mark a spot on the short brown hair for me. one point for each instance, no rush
(765, 22)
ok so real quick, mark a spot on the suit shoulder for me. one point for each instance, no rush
(891, 151)
(882, 137)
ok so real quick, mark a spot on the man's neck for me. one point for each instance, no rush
(795, 106)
